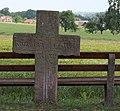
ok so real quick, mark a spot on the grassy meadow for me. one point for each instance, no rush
(77, 98)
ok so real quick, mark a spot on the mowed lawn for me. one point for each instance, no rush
(11, 28)
(83, 98)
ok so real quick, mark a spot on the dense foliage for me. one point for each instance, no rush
(19, 16)
(67, 19)
(91, 27)
(112, 16)
(5, 11)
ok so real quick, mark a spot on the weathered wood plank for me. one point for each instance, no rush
(89, 67)
(17, 67)
(17, 81)
(83, 55)
(12, 55)
(110, 81)
(62, 81)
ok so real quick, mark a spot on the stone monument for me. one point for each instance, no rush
(46, 44)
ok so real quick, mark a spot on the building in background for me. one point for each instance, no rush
(81, 23)
(30, 21)
(6, 19)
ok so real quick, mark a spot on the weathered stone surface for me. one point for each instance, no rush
(46, 44)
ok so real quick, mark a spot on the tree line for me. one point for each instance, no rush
(18, 16)
(109, 20)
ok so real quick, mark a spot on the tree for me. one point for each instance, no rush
(67, 19)
(73, 26)
(22, 14)
(5, 11)
(100, 21)
(112, 18)
(30, 14)
(91, 27)
(17, 18)
(1, 14)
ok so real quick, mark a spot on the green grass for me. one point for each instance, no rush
(11, 28)
(86, 36)
(81, 98)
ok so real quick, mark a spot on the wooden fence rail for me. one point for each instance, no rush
(83, 55)
(108, 82)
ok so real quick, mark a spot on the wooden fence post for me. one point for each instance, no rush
(109, 93)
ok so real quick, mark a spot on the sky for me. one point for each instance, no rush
(57, 5)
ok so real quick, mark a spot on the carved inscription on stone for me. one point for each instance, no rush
(24, 43)
(68, 45)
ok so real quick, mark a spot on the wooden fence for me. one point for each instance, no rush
(108, 82)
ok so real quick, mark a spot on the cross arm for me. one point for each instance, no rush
(69, 45)
(23, 43)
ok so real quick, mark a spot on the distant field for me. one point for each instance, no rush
(11, 28)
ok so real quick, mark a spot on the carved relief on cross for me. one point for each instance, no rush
(46, 44)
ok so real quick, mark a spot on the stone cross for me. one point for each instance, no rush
(46, 44)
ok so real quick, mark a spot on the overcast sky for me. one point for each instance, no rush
(58, 5)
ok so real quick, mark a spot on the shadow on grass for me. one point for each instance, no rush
(1, 33)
